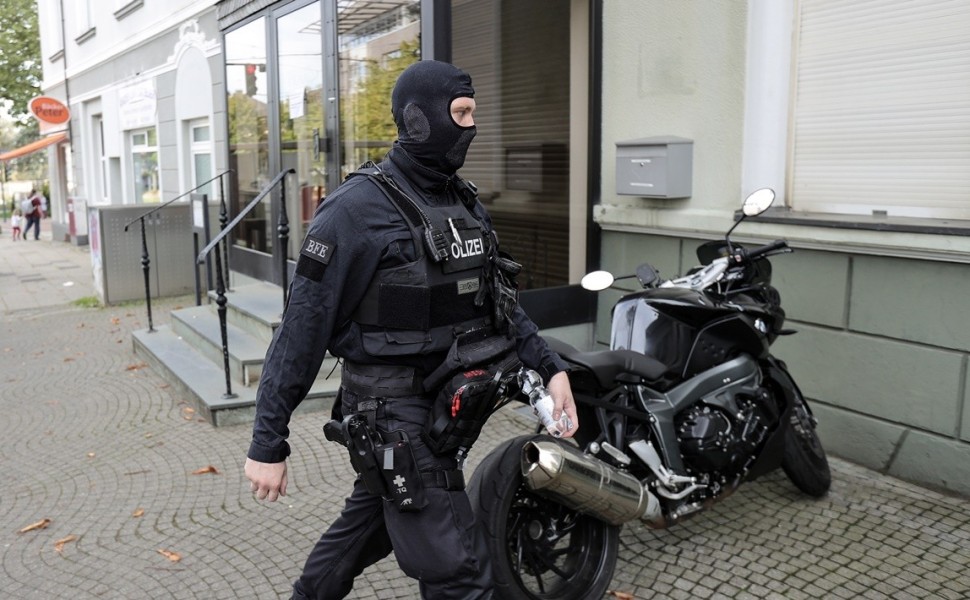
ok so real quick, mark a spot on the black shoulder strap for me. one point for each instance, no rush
(407, 210)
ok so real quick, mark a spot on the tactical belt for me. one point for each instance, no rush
(381, 381)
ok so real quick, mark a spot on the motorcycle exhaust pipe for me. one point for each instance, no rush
(561, 472)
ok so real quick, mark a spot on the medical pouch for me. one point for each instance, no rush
(465, 402)
(405, 487)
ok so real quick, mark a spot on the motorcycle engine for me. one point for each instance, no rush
(715, 442)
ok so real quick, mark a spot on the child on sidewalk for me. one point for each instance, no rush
(15, 224)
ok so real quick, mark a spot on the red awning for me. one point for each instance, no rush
(33, 146)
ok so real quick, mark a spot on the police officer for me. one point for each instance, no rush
(397, 262)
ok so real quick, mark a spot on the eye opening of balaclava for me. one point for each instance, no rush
(421, 106)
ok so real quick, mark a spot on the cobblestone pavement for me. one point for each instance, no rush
(105, 448)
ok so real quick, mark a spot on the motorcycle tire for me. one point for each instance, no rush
(539, 549)
(804, 459)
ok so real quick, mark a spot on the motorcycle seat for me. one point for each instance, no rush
(609, 365)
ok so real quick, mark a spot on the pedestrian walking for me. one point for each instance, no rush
(33, 209)
(399, 270)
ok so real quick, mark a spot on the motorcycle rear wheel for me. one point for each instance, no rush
(804, 460)
(540, 550)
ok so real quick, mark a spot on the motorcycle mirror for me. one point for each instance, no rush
(596, 281)
(758, 202)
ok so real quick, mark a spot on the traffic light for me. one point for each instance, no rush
(250, 79)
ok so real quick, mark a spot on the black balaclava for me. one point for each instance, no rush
(421, 105)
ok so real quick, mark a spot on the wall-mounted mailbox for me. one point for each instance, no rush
(655, 167)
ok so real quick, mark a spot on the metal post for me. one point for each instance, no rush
(284, 237)
(221, 303)
(145, 269)
(223, 219)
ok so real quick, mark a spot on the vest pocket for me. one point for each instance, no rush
(395, 343)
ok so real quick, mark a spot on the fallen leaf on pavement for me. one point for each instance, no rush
(165, 386)
(172, 556)
(115, 320)
(136, 366)
(188, 410)
(139, 512)
(42, 524)
(59, 544)
(91, 455)
(620, 595)
(204, 470)
(68, 359)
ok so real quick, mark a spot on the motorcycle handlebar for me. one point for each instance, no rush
(760, 251)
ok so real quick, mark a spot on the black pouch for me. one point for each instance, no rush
(465, 402)
(470, 351)
(403, 482)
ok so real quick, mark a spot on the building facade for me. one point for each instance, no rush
(143, 80)
(855, 114)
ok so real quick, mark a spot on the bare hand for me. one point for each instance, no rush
(562, 394)
(266, 480)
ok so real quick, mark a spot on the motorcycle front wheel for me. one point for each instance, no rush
(539, 549)
(804, 460)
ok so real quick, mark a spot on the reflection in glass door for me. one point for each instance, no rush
(301, 116)
(246, 80)
(375, 41)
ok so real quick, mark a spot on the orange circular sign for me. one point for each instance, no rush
(49, 110)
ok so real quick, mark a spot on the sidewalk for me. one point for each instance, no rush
(105, 448)
(37, 274)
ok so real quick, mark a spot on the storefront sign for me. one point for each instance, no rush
(49, 110)
(137, 103)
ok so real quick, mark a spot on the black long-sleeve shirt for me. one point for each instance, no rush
(362, 231)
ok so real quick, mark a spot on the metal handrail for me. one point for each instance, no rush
(283, 229)
(243, 214)
(180, 196)
(145, 258)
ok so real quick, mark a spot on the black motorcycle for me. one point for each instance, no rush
(688, 404)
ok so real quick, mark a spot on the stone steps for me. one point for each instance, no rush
(190, 352)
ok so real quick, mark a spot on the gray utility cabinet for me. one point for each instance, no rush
(655, 167)
(116, 254)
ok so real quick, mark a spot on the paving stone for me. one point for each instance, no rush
(90, 436)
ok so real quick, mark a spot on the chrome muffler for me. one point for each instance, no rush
(561, 472)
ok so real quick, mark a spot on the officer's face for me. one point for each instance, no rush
(462, 110)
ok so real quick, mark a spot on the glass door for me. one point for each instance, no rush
(375, 42)
(302, 118)
(247, 96)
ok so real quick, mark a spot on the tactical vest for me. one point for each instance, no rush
(420, 307)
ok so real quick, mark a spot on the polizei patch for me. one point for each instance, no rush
(317, 249)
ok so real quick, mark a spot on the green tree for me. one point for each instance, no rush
(20, 61)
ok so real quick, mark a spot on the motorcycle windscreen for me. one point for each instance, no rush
(640, 327)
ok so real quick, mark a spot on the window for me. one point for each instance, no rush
(518, 55)
(102, 177)
(53, 41)
(84, 25)
(881, 99)
(144, 163)
(200, 150)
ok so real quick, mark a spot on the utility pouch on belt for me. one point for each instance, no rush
(385, 464)
(465, 402)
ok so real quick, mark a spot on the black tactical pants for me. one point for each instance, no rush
(440, 545)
